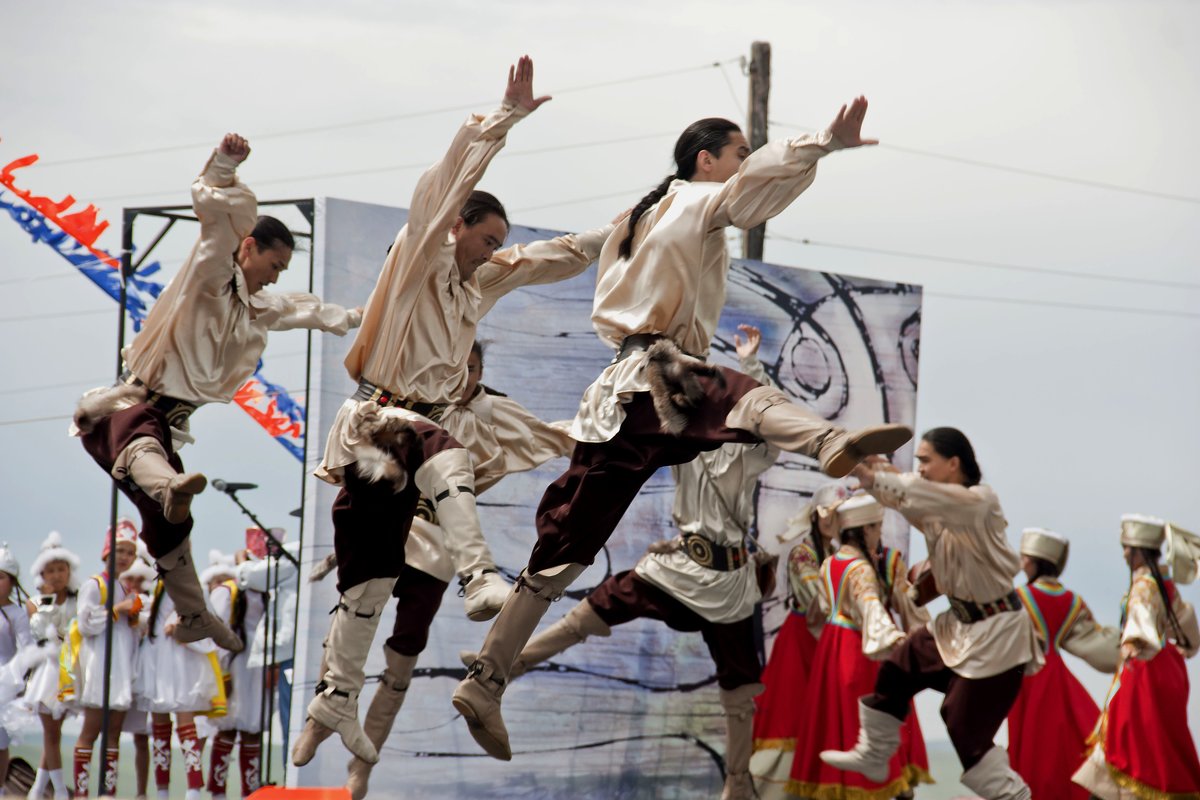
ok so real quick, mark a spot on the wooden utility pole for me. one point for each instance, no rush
(760, 90)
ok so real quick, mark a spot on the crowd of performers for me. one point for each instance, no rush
(830, 715)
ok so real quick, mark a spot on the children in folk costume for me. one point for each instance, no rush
(503, 437)
(14, 631)
(201, 340)
(179, 679)
(861, 586)
(242, 724)
(1049, 725)
(779, 708)
(703, 580)
(56, 572)
(978, 652)
(659, 294)
(443, 273)
(139, 581)
(82, 678)
(1143, 747)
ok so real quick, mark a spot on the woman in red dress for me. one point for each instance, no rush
(778, 708)
(861, 585)
(1049, 725)
(1143, 748)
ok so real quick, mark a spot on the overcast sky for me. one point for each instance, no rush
(1079, 390)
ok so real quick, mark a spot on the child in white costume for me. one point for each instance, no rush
(56, 573)
(84, 653)
(14, 629)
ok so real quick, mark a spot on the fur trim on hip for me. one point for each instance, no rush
(96, 404)
(381, 436)
(674, 384)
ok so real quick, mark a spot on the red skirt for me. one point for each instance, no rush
(777, 713)
(1048, 730)
(841, 675)
(1145, 732)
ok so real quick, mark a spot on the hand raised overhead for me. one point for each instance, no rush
(520, 86)
(847, 125)
(235, 147)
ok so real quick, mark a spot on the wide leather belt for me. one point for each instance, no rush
(708, 553)
(374, 394)
(969, 612)
(642, 341)
(175, 410)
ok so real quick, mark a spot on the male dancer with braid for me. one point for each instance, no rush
(387, 447)
(201, 341)
(659, 294)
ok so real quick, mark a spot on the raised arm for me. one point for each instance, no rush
(912, 616)
(444, 188)
(227, 211)
(920, 500)
(289, 310)
(542, 262)
(778, 172)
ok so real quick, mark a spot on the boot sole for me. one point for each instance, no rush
(180, 508)
(490, 744)
(879, 441)
(482, 614)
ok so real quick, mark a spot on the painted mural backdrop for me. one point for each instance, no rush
(634, 714)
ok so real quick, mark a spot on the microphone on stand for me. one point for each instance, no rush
(230, 488)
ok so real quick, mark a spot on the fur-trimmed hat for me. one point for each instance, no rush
(141, 570)
(823, 503)
(53, 550)
(219, 566)
(1046, 545)
(1140, 530)
(859, 510)
(9, 563)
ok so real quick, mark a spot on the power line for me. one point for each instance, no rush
(383, 120)
(1021, 170)
(575, 201)
(1154, 312)
(56, 315)
(992, 264)
(32, 420)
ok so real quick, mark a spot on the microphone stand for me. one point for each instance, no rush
(270, 610)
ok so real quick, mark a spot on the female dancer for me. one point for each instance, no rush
(659, 294)
(703, 580)
(861, 587)
(388, 446)
(977, 652)
(785, 678)
(14, 627)
(201, 341)
(1049, 725)
(1143, 745)
(57, 571)
(242, 724)
(179, 679)
(84, 653)
(502, 437)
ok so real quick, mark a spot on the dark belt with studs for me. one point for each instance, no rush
(711, 555)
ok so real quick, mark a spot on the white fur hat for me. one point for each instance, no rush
(140, 569)
(219, 566)
(823, 502)
(53, 550)
(9, 563)
(859, 510)
(1140, 530)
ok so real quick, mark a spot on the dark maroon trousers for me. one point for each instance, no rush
(625, 597)
(371, 520)
(973, 708)
(111, 435)
(581, 509)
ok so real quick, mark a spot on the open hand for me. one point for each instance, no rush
(234, 146)
(520, 86)
(847, 125)
(749, 346)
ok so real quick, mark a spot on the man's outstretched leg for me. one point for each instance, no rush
(477, 698)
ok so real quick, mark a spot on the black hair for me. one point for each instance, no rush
(479, 205)
(951, 442)
(1043, 568)
(818, 543)
(857, 538)
(711, 134)
(477, 350)
(155, 603)
(270, 232)
(1150, 556)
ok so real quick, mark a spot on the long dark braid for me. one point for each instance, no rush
(818, 542)
(711, 134)
(155, 605)
(1151, 558)
(857, 538)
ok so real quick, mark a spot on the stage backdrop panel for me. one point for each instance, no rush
(635, 714)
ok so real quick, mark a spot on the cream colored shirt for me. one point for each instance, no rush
(1083, 637)
(859, 603)
(1146, 623)
(204, 335)
(714, 497)
(419, 323)
(674, 281)
(965, 532)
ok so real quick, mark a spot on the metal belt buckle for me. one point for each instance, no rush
(699, 550)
